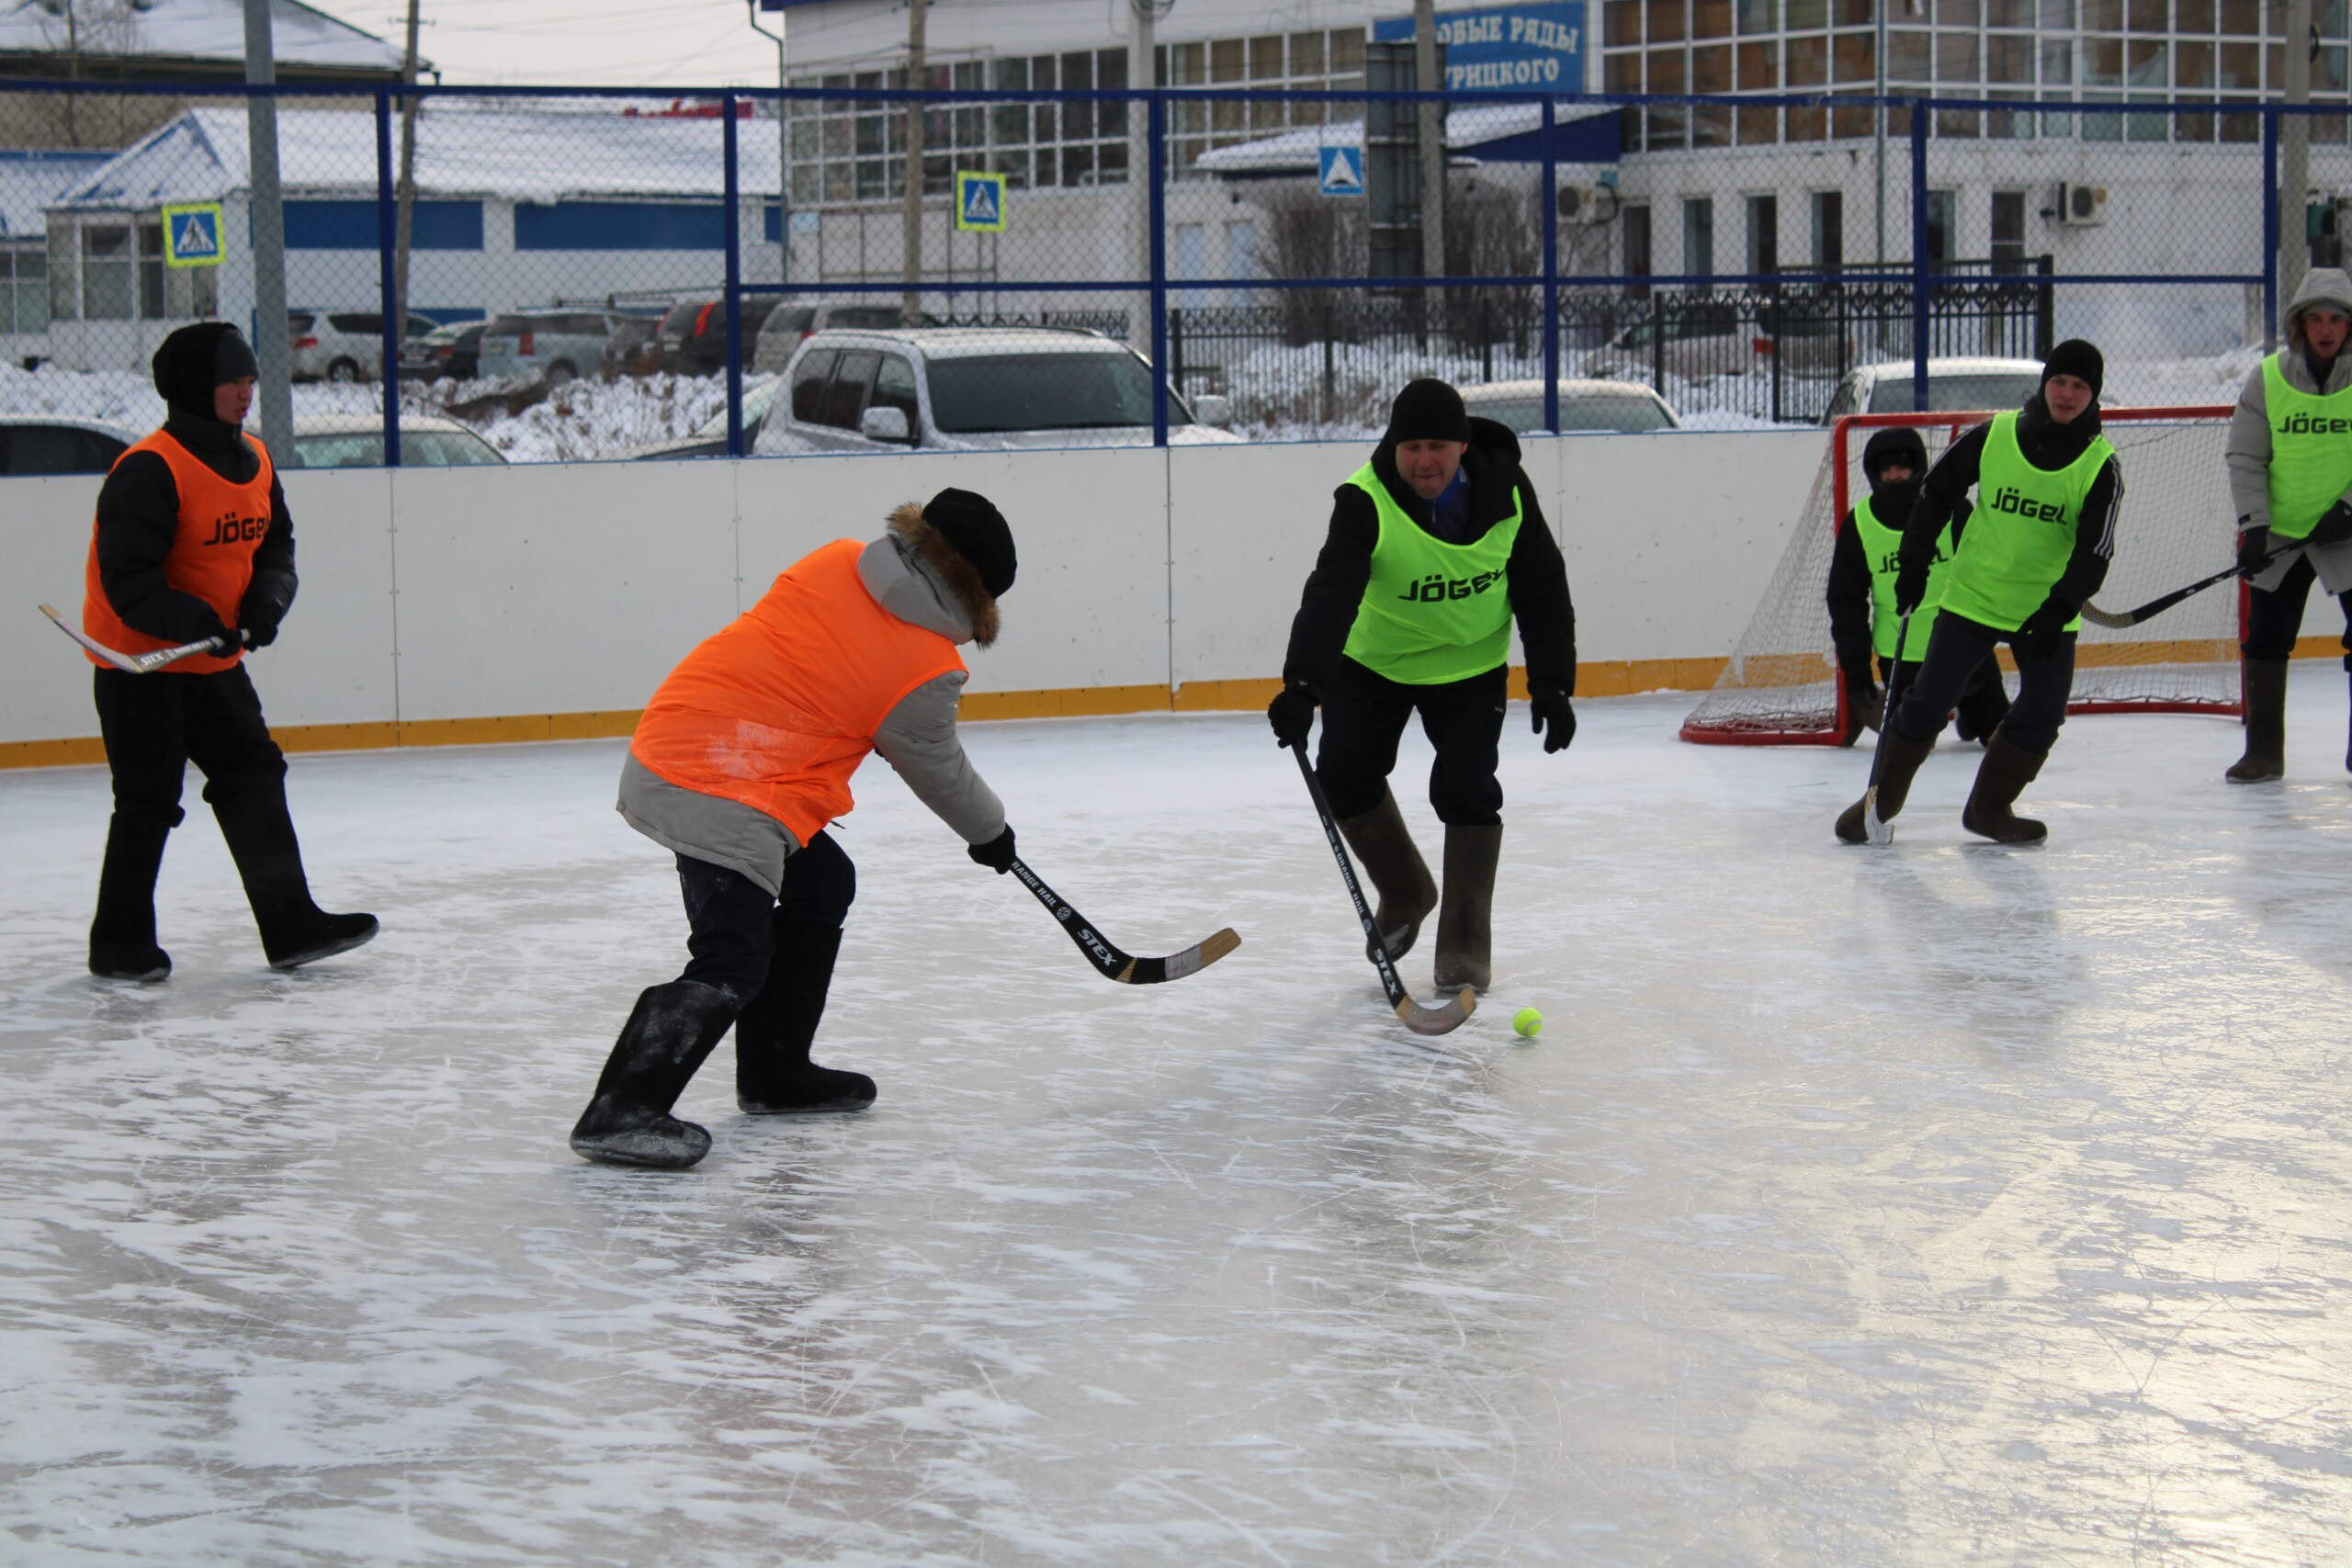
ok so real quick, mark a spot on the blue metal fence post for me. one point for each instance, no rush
(734, 235)
(1919, 254)
(2271, 219)
(387, 287)
(1156, 145)
(1551, 204)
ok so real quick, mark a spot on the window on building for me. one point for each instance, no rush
(151, 271)
(1699, 235)
(2009, 231)
(1828, 230)
(106, 271)
(24, 291)
(1763, 234)
(64, 298)
(1634, 218)
(1943, 228)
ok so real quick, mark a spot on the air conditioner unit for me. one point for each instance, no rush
(1587, 204)
(2082, 206)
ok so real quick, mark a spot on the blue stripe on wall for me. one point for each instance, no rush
(351, 226)
(621, 226)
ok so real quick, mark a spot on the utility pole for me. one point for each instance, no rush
(2294, 160)
(1142, 73)
(276, 392)
(911, 226)
(782, 150)
(1432, 141)
(1878, 122)
(407, 189)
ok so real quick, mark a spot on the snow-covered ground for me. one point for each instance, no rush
(1935, 1204)
(1279, 396)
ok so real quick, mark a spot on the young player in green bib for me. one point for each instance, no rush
(1435, 545)
(1863, 622)
(2290, 453)
(2036, 546)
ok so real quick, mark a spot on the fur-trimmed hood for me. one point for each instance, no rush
(913, 572)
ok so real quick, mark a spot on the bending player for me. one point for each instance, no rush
(1862, 621)
(2037, 545)
(739, 762)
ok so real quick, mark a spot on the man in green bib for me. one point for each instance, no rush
(1863, 622)
(2035, 546)
(2290, 453)
(1435, 547)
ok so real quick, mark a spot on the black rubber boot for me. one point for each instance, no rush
(2008, 768)
(294, 930)
(1898, 761)
(122, 933)
(669, 1032)
(1389, 857)
(2266, 724)
(773, 1076)
(1465, 921)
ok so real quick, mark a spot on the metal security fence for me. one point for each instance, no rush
(984, 262)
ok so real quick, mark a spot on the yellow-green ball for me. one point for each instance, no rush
(1527, 1022)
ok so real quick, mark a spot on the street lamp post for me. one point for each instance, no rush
(783, 149)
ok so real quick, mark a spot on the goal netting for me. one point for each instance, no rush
(1782, 686)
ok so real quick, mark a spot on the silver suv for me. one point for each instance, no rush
(551, 346)
(973, 388)
(343, 345)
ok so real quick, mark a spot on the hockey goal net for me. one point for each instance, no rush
(1781, 687)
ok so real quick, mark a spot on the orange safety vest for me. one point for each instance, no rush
(777, 710)
(221, 525)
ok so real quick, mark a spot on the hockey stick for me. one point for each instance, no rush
(1124, 968)
(135, 663)
(1880, 833)
(1414, 1017)
(2099, 617)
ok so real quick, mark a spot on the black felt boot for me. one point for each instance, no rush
(2008, 768)
(2266, 724)
(294, 930)
(122, 933)
(1898, 761)
(1386, 850)
(1466, 920)
(669, 1032)
(773, 1076)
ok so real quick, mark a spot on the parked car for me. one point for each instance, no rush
(344, 345)
(446, 352)
(47, 445)
(796, 319)
(552, 345)
(1623, 406)
(1717, 338)
(709, 438)
(356, 440)
(966, 388)
(693, 332)
(1957, 385)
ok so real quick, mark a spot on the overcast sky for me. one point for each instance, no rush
(678, 43)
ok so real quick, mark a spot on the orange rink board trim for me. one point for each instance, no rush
(1595, 678)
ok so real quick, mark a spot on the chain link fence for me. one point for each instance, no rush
(553, 275)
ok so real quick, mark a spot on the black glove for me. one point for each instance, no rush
(2254, 545)
(1910, 583)
(996, 854)
(1551, 717)
(1865, 707)
(1292, 713)
(2044, 631)
(2335, 526)
(257, 617)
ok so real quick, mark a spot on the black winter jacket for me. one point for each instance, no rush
(139, 515)
(2048, 447)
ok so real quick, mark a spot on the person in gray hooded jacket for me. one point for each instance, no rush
(2289, 455)
(738, 766)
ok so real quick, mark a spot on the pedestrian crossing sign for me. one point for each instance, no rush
(1339, 171)
(979, 202)
(192, 234)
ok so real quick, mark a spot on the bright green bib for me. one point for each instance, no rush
(1433, 611)
(2022, 533)
(2310, 452)
(1881, 546)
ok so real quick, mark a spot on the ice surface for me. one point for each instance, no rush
(1940, 1203)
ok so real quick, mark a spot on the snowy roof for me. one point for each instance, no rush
(463, 149)
(1468, 130)
(194, 30)
(31, 181)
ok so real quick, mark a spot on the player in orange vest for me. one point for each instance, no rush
(193, 541)
(739, 762)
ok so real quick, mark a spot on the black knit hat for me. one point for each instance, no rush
(1428, 410)
(196, 359)
(1895, 443)
(2079, 359)
(971, 523)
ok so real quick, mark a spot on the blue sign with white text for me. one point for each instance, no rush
(1505, 46)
